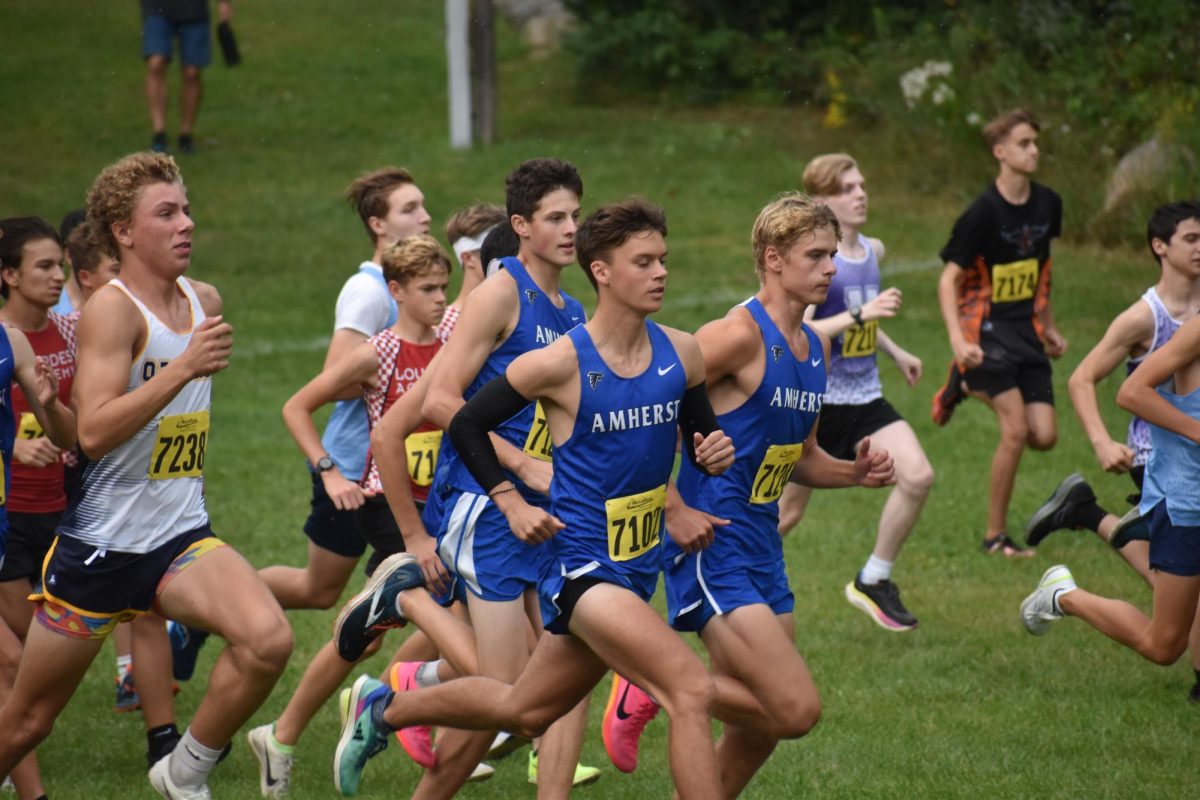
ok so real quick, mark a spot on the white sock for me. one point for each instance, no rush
(1058, 594)
(191, 762)
(427, 674)
(876, 570)
(124, 666)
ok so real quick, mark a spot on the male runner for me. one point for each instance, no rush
(466, 231)
(137, 536)
(995, 298)
(854, 406)
(518, 310)
(1169, 500)
(614, 393)
(766, 375)
(1173, 234)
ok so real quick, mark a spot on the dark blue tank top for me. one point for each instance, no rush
(540, 323)
(768, 431)
(610, 477)
(8, 428)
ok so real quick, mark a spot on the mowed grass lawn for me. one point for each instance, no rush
(967, 706)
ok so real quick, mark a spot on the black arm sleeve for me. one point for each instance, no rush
(494, 403)
(696, 416)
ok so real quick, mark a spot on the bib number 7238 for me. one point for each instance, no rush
(179, 446)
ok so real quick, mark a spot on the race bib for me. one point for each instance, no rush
(634, 523)
(1015, 281)
(179, 446)
(422, 450)
(29, 427)
(774, 472)
(859, 340)
(537, 443)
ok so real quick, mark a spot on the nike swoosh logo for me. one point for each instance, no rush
(622, 714)
(574, 319)
(2, 360)
(816, 362)
(662, 371)
(271, 779)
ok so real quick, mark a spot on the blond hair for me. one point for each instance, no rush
(412, 257)
(474, 220)
(823, 175)
(784, 220)
(115, 191)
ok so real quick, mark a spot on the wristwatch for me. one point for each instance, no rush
(855, 312)
(324, 464)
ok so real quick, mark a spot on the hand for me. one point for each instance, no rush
(909, 366)
(967, 355)
(884, 305)
(39, 452)
(210, 347)
(873, 470)
(714, 453)
(346, 495)
(528, 523)
(225, 11)
(691, 528)
(1114, 457)
(1054, 342)
(45, 382)
(536, 474)
(423, 547)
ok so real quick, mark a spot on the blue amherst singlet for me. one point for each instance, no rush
(348, 432)
(610, 477)
(769, 431)
(8, 430)
(540, 323)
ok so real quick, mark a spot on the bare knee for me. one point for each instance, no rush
(157, 66)
(533, 722)
(191, 75)
(691, 694)
(1014, 436)
(797, 717)
(1166, 653)
(1042, 438)
(916, 482)
(267, 649)
(324, 596)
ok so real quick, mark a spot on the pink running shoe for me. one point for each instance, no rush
(417, 740)
(628, 712)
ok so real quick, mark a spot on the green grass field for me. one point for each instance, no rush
(968, 705)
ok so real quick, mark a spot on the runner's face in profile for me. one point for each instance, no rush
(549, 234)
(406, 215)
(160, 232)
(807, 268)
(1019, 150)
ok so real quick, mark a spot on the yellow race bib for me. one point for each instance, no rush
(859, 340)
(179, 447)
(29, 427)
(774, 472)
(422, 450)
(1015, 281)
(537, 443)
(634, 523)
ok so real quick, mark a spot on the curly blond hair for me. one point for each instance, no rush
(784, 220)
(412, 257)
(115, 191)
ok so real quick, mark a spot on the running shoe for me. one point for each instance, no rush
(376, 608)
(360, 739)
(628, 713)
(1131, 527)
(185, 647)
(1061, 510)
(160, 779)
(482, 772)
(583, 775)
(1041, 608)
(504, 745)
(127, 696)
(274, 765)
(948, 397)
(417, 740)
(343, 707)
(881, 602)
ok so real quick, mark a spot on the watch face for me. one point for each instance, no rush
(325, 464)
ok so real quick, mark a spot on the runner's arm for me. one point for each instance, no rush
(1138, 394)
(967, 355)
(40, 386)
(1129, 332)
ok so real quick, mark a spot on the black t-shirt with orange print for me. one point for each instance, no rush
(1004, 250)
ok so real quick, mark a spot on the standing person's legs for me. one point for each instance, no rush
(190, 92)
(195, 53)
(157, 33)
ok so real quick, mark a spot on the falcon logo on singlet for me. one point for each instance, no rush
(796, 399)
(625, 419)
(530, 295)
(594, 379)
(1026, 237)
(777, 351)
